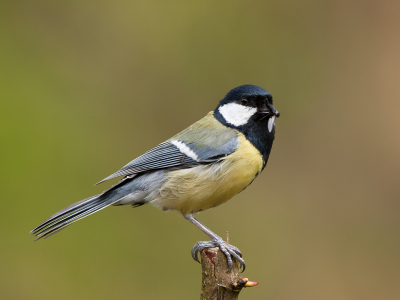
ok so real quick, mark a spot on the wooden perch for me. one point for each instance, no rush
(218, 283)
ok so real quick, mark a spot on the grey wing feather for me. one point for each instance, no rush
(207, 138)
(212, 154)
(167, 155)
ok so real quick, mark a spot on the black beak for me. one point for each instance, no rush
(272, 110)
(276, 113)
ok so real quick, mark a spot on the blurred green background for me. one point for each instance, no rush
(86, 86)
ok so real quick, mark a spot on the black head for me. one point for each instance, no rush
(249, 109)
(246, 105)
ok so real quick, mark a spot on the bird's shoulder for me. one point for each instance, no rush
(208, 132)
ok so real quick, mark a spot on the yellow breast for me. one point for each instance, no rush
(199, 188)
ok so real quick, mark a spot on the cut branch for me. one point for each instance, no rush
(218, 283)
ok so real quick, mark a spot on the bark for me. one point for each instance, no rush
(218, 283)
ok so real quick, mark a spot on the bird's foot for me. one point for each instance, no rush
(227, 249)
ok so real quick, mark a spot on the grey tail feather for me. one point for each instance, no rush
(71, 214)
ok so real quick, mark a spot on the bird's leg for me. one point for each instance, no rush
(216, 241)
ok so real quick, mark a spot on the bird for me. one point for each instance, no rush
(199, 168)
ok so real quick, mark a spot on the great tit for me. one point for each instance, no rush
(201, 167)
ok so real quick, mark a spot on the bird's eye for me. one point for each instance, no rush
(244, 101)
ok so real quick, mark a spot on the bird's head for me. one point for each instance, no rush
(247, 105)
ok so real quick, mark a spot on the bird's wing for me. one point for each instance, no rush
(205, 141)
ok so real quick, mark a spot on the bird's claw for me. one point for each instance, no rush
(227, 249)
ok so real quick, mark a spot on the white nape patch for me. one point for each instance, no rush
(237, 114)
(271, 123)
(185, 150)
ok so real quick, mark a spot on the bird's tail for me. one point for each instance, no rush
(80, 210)
(69, 215)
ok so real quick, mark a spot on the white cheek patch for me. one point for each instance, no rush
(237, 114)
(185, 150)
(271, 123)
